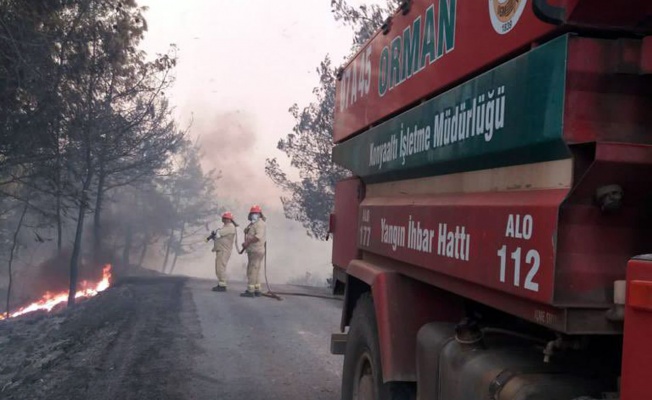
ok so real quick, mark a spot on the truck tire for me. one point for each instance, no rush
(362, 375)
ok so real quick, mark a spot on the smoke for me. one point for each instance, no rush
(39, 267)
(52, 275)
(231, 144)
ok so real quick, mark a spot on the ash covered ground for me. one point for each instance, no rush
(129, 342)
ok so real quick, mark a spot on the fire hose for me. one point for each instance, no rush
(275, 295)
(270, 293)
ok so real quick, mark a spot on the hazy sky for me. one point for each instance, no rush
(247, 59)
(242, 64)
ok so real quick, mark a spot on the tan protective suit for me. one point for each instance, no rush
(222, 248)
(255, 253)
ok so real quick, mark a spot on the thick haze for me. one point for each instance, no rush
(242, 64)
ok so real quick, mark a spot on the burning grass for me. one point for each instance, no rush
(52, 300)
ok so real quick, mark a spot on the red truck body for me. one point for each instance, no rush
(502, 161)
(457, 40)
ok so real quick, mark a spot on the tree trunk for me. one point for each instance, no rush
(143, 252)
(58, 205)
(97, 217)
(127, 248)
(174, 263)
(11, 258)
(74, 260)
(114, 245)
(167, 251)
(87, 128)
(59, 227)
(176, 253)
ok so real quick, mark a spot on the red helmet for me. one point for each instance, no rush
(227, 215)
(255, 209)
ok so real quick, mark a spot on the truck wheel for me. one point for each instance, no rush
(362, 376)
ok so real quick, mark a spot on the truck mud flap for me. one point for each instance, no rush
(338, 343)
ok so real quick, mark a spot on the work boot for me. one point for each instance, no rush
(215, 289)
(258, 293)
(221, 289)
(247, 293)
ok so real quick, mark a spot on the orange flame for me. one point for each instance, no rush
(49, 300)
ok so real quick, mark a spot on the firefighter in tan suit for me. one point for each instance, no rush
(254, 244)
(222, 247)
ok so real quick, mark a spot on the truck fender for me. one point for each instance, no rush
(637, 347)
(402, 305)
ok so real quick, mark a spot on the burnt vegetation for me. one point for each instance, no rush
(93, 167)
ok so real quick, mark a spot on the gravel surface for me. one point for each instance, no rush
(261, 348)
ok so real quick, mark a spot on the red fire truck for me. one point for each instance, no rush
(493, 236)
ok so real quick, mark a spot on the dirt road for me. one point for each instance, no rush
(172, 338)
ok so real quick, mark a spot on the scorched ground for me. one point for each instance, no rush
(112, 346)
(172, 338)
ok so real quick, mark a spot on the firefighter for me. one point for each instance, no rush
(223, 244)
(254, 245)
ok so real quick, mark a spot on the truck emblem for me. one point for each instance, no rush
(505, 14)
